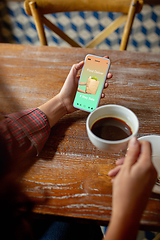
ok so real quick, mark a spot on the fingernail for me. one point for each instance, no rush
(133, 141)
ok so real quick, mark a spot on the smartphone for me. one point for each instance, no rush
(91, 83)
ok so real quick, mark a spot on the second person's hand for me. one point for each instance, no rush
(132, 187)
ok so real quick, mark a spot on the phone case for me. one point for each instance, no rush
(91, 82)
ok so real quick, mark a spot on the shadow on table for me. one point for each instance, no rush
(62, 136)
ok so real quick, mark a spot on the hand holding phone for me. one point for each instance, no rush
(91, 83)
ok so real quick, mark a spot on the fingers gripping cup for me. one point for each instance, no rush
(110, 127)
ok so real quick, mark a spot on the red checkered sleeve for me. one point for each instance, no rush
(25, 130)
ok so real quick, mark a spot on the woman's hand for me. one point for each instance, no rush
(70, 86)
(132, 186)
(134, 182)
(62, 103)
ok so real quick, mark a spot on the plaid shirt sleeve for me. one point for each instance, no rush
(25, 130)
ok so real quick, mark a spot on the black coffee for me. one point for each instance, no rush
(111, 129)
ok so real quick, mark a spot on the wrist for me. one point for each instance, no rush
(122, 227)
(54, 109)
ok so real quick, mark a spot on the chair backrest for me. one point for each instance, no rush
(128, 8)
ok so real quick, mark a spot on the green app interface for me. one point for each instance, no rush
(91, 83)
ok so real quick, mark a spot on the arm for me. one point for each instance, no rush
(27, 131)
(24, 132)
(131, 189)
(82, 83)
(79, 90)
(62, 103)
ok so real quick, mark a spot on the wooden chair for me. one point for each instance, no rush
(128, 8)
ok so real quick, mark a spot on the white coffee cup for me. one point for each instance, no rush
(115, 111)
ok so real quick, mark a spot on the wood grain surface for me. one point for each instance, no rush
(70, 174)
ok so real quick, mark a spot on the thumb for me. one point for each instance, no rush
(132, 152)
(71, 79)
(76, 67)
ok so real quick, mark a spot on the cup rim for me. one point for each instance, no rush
(109, 141)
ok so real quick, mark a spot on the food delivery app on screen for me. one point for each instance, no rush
(91, 83)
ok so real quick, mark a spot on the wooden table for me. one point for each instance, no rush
(71, 174)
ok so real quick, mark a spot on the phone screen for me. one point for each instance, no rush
(91, 83)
